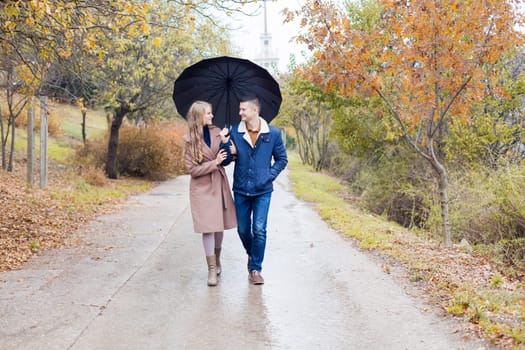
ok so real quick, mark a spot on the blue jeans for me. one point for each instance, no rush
(252, 216)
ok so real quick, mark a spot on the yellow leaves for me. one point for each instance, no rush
(45, 55)
(436, 116)
(80, 104)
(48, 10)
(90, 43)
(25, 75)
(391, 135)
(64, 53)
(29, 21)
(12, 10)
(157, 42)
(9, 26)
(34, 5)
(145, 28)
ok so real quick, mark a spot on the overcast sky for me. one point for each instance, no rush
(247, 36)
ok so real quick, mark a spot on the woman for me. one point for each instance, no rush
(211, 202)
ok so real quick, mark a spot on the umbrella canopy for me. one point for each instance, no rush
(222, 81)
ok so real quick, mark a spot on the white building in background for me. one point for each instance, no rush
(266, 56)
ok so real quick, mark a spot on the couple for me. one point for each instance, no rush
(252, 144)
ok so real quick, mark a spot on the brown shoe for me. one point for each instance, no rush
(256, 278)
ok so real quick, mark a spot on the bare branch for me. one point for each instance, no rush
(406, 134)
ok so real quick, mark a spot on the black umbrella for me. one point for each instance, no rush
(221, 81)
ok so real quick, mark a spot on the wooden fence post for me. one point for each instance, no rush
(31, 143)
(43, 141)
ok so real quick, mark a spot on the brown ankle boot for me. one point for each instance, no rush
(212, 270)
(218, 260)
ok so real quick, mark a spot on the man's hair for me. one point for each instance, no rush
(253, 99)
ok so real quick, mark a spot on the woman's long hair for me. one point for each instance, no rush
(195, 125)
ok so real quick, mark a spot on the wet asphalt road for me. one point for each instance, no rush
(139, 282)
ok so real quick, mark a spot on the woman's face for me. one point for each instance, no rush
(207, 117)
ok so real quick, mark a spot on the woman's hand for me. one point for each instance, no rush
(233, 150)
(221, 156)
(225, 135)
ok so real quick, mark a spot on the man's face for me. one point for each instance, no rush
(248, 111)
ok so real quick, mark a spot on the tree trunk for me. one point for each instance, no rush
(111, 164)
(2, 140)
(12, 153)
(431, 156)
(84, 126)
(301, 143)
(443, 195)
(301, 151)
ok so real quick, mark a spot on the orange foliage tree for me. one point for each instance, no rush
(428, 60)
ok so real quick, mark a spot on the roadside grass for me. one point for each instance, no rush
(33, 220)
(71, 120)
(463, 284)
(61, 147)
(89, 198)
(58, 149)
(328, 195)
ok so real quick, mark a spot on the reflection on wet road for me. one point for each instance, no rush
(319, 294)
(144, 293)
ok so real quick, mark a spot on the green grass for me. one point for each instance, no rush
(71, 122)
(57, 149)
(88, 197)
(497, 310)
(327, 194)
(60, 148)
(492, 310)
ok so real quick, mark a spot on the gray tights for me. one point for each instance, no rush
(212, 241)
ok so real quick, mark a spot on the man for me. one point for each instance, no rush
(255, 145)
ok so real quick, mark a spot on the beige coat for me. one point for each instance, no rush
(211, 201)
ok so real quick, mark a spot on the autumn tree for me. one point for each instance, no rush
(16, 102)
(131, 48)
(428, 60)
(135, 76)
(34, 35)
(495, 134)
(308, 111)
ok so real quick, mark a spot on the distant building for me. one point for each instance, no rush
(266, 57)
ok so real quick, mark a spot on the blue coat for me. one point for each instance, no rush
(254, 170)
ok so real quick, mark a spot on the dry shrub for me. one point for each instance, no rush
(153, 152)
(512, 251)
(93, 153)
(488, 210)
(53, 121)
(488, 205)
(21, 120)
(94, 176)
(397, 187)
(53, 125)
